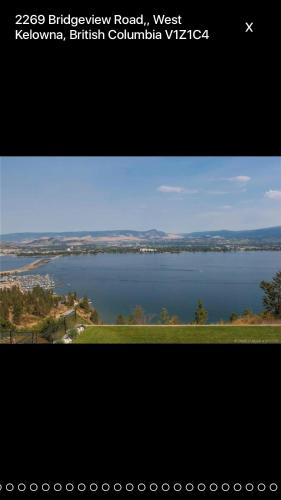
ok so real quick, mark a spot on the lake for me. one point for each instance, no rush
(116, 283)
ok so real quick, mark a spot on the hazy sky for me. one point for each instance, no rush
(174, 194)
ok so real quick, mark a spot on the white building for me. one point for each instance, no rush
(144, 250)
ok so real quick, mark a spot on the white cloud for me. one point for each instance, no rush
(175, 189)
(217, 192)
(273, 194)
(226, 207)
(239, 178)
(170, 189)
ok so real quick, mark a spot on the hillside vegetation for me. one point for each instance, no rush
(36, 306)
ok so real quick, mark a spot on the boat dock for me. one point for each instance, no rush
(28, 282)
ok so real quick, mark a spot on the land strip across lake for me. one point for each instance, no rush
(28, 267)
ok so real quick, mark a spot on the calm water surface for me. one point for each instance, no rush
(226, 282)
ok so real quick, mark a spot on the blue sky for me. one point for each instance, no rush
(173, 194)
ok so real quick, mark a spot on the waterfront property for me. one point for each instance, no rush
(27, 282)
(116, 283)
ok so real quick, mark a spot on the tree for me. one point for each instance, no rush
(131, 320)
(138, 316)
(247, 312)
(201, 314)
(164, 316)
(84, 303)
(120, 320)
(94, 317)
(70, 299)
(17, 312)
(233, 317)
(48, 327)
(174, 320)
(272, 294)
(73, 333)
(5, 325)
(4, 310)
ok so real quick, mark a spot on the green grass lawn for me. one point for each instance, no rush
(179, 334)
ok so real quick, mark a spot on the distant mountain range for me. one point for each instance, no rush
(83, 237)
(115, 236)
(249, 234)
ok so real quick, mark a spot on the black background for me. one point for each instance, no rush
(142, 412)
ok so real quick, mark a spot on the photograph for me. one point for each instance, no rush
(139, 250)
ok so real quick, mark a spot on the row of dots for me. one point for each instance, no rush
(189, 487)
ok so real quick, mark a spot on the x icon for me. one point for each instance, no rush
(249, 27)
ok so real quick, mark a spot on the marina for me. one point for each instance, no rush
(28, 282)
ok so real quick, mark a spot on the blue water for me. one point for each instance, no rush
(225, 282)
(13, 262)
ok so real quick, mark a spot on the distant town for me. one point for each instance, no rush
(125, 241)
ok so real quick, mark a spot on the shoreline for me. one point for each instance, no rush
(124, 251)
(28, 267)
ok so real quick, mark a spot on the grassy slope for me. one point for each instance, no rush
(179, 334)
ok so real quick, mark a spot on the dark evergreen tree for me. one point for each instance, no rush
(138, 315)
(4, 309)
(131, 320)
(5, 325)
(247, 312)
(233, 317)
(70, 299)
(120, 320)
(48, 328)
(84, 304)
(201, 314)
(164, 316)
(94, 317)
(17, 312)
(272, 295)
